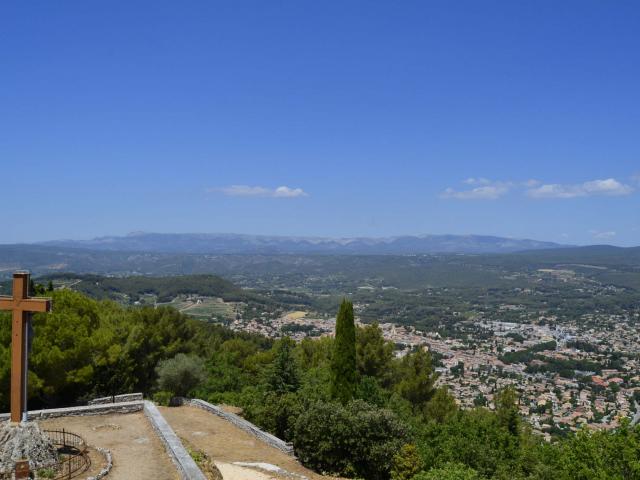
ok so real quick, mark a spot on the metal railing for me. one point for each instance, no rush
(72, 451)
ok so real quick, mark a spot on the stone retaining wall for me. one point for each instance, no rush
(86, 410)
(127, 397)
(108, 464)
(187, 468)
(242, 424)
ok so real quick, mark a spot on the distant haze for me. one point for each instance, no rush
(229, 243)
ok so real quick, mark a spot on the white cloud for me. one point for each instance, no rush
(256, 191)
(486, 190)
(476, 181)
(606, 187)
(602, 235)
(286, 192)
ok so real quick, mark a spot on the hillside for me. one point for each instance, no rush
(397, 418)
(164, 289)
(619, 266)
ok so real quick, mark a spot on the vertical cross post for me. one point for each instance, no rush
(22, 469)
(21, 305)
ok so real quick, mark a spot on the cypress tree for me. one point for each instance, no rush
(343, 361)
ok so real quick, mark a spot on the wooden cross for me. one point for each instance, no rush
(22, 306)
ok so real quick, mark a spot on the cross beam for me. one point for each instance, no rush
(22, 306)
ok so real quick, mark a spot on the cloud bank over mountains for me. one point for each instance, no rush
(484, 189)
(606, 187)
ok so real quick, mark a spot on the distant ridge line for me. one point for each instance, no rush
(230, 243)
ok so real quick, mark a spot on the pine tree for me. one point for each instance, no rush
(416, 378)
(343, 361)
(283, 375)
(506, 403)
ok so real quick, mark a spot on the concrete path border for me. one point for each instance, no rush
(187, 468)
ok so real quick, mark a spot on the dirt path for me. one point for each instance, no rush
(137, 452)
(227, 445)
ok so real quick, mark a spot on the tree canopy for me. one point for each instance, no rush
(393, 420)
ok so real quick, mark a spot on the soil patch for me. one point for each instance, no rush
(226, 444)
(137, 451)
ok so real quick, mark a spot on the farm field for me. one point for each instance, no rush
(204, 307)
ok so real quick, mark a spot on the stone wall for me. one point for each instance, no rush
(124, 407)
(127, 397)
(108, 464)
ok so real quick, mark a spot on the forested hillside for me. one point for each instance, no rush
(164, 289)
(88, 347)
(619, 266)
(387, 422)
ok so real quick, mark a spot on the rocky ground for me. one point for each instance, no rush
(25, 441)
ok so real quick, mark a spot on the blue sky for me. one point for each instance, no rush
(321, 118)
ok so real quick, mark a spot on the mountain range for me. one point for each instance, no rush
(229, 243)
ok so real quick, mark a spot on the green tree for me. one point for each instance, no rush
(506, 403)
(600, 455)
(343, 361)
(274, 413)
(354, 440)
(441, 407)
(370, 391)
(416, 378)
(181, 374)
(475, 438)
(406, 463)
(450, 471)
(373, 353)
(282, 376)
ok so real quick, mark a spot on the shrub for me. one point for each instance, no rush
(450, 471)
(162, 398)
(406, 463)
(356, 440)
(180, 374)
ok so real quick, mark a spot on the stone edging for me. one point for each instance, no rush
(127, 397)
(241, 423)
(82, 411)
(105, 471)
(187, 468)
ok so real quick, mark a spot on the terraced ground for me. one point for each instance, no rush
(208, 307)
(237, 454)
(137, 451)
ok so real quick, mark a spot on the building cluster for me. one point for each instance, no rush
(552, 399)
(473, 365)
